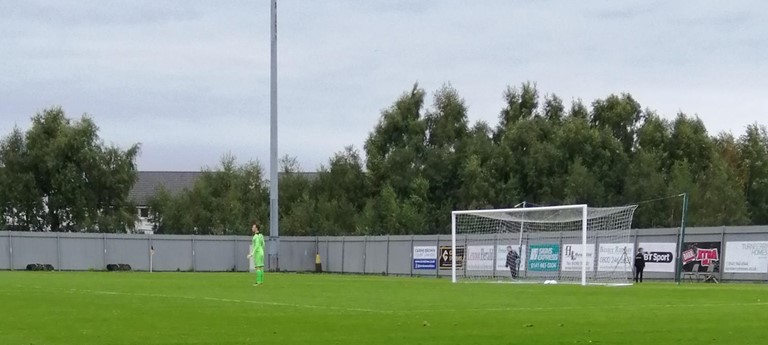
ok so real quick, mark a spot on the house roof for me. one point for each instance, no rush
(149, 182)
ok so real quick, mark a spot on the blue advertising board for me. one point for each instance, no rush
(544, 257)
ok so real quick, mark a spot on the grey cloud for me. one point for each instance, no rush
(190, 80)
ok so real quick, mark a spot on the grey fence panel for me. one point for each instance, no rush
(243, 247)
(82, 253)
(31, 248)
(335, 256)
(173, 254)
(322, 249)
(354, 255)
(298, 254)
(376, 255)
(131, 250)
(400, 252)
(214, 254)
(372, 255)
(5, 250)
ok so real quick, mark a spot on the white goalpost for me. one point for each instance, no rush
(554, 244)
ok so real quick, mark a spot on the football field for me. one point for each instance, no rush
(225, 308)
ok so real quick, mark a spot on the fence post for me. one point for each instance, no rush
(194, 266)
(10, 249)
(722, 254)
(365, 250)
(410, 255)
(104, 254)
(234, 253)
(58, 251)
(678, 267)
(342, 253)
(150, 249)
(437, 251)
(386, 268)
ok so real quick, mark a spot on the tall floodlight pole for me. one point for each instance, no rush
(274, 230)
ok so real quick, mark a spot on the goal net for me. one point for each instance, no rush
(556, 244)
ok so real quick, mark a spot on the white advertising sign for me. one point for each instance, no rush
(479, 258)
(572, 261)
(427, 252)
(501, 258)
(615, 257)
(746, 257)
(659, 256)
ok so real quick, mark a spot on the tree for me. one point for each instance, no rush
(223, 201)
(295, 189)
(753, 164)
(582, 186)
(60, 176)
(446, 132)
(395, 147)
(645, 180)
(480, 187)
(621, 115)
(19, 203)
(721, 200)
(690, 142)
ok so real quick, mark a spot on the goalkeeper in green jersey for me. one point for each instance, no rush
(257, 253)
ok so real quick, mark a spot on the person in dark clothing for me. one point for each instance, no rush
(639, 265)
(512, 261)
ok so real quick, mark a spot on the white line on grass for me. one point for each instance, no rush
(416, 311)
(230, 300)
(586, 307)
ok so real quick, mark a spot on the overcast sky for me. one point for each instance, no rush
(189, 80)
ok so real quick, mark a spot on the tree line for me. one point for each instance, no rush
(421, 162)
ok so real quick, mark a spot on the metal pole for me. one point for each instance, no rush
(194, 268)
(520, 239)
(365, 249)
(10, 249)
(453, 248)
(151, 254)
(437, 247)
(58, 251)
(584, 245)
(682, 238)
(104, 246)
(386, 270)
(411, 256)
(274, 230)
(343, 242)
(720, 267)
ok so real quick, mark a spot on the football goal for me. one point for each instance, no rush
(554, 244)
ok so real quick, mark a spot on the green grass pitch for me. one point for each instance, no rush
(225, 308)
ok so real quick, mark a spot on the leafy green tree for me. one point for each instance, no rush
(582, 186)
(721, 200)
(689, 141)
(223, 201)
(60, 176)
(645, 180)
(395, 148)
(753, 163)
(621, 115)
(446, 131)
